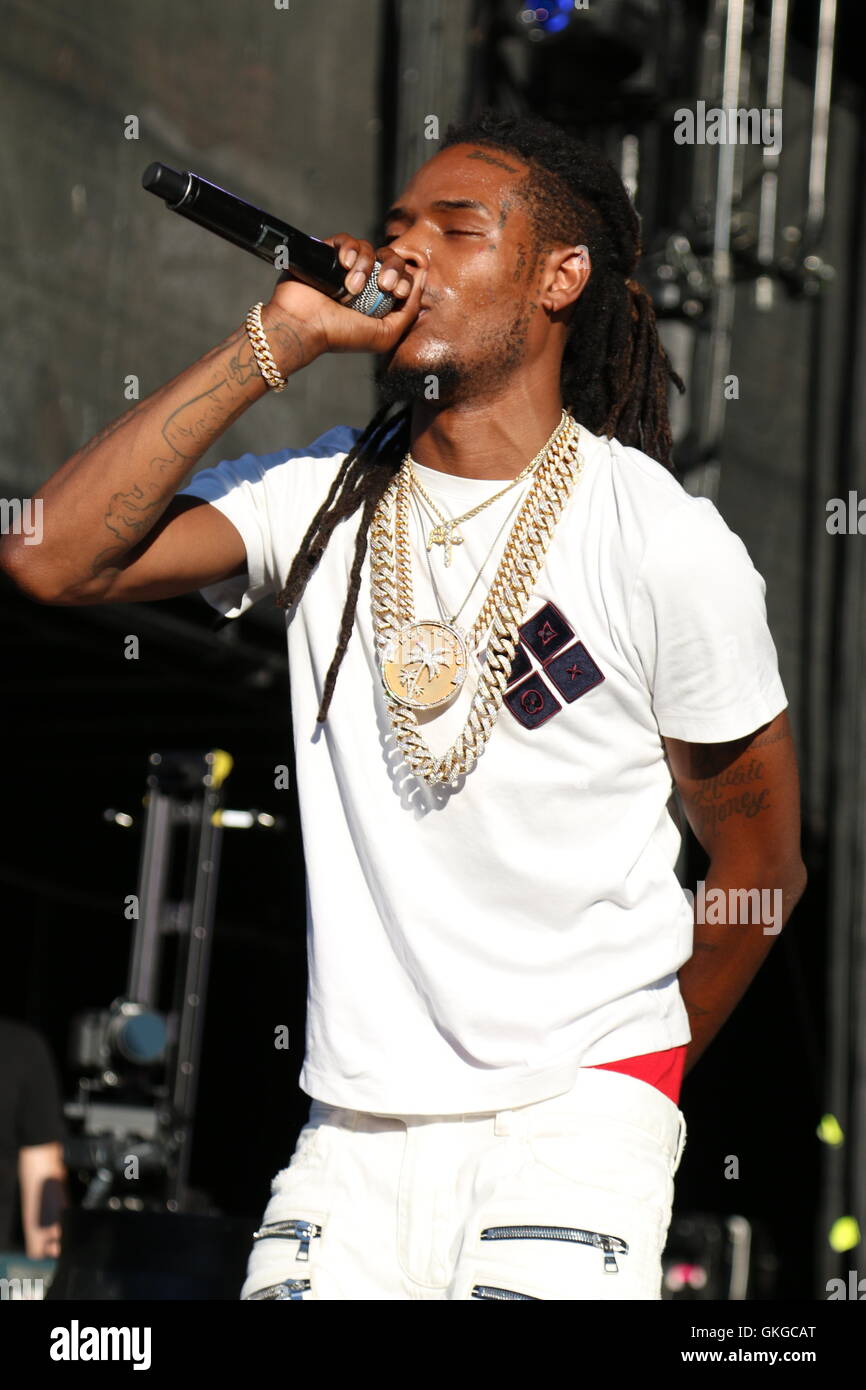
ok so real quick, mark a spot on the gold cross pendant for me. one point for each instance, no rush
(446, 535)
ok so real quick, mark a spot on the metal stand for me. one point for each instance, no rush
(147, 1047)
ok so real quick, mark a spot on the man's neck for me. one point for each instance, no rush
(488, 439)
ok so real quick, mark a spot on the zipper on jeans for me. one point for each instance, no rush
(604, 1242)
(289, 1288)
(294, 1229)
(493, 1291)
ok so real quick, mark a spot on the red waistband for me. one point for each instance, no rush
(661, 1069)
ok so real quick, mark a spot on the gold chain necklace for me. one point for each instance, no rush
(422, 696)
(452, 618)
(423, 664)
(445, 533)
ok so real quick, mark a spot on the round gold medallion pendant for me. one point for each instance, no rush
(424, 664)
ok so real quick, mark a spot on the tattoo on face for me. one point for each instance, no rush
(489, 159)
(521, 261)
(507, 205)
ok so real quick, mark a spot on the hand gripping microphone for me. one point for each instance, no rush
(261, 233)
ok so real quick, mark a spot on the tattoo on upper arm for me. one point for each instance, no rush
(772, 736)
(713, 803)
(728, 790)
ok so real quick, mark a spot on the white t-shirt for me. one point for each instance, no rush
(471, 947)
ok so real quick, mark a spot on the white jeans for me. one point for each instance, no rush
(566, 1198)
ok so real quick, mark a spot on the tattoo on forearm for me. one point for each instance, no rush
(246, 363)
(108, 430)
(243, 364)
(187, 433)
(288, 337)
(189, 436)
(128, 511)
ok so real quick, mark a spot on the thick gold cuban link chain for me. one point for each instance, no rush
(505, 606)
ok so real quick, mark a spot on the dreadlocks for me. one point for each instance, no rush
(614, 369)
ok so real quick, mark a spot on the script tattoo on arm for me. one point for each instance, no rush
(742, 797)
(187, 432)
(735, 792)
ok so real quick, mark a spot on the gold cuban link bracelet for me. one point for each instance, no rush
(263, 354)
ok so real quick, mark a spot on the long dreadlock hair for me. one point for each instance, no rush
(614, 370)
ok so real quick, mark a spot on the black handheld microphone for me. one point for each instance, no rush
(309, 259)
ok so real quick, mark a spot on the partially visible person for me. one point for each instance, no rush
(32, 1132)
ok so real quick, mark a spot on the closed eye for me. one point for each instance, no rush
(454, 231)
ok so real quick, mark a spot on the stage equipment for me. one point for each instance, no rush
(140, 1058)
(717, 1257)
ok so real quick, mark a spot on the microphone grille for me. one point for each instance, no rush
(372, 301)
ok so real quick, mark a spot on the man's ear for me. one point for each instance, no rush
(568, 272)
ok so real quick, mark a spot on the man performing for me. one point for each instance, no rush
(538, 632)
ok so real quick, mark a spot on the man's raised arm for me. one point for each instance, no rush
(112, 529)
